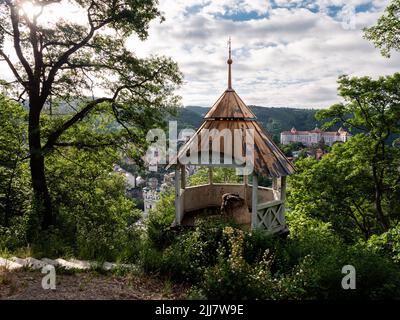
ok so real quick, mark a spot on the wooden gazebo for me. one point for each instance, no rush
(265, 205)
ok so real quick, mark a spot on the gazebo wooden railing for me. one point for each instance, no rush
(266, 205)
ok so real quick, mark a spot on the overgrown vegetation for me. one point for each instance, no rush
(221, 261)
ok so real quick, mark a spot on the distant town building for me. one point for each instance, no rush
(309, 138)
(150, 199)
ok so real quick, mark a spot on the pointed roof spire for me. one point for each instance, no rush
(230, 61)
(229, 105)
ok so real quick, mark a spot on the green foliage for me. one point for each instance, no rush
(60, 69)
(96, 219)
(16, 234)
(387, 243)
(220, 175)
(330, 189)
(15, 191)
(320, 256)
(385, 34)
(160, 221)
(232, 277)
(224, 262)
(182, 256)
(372, 107)
(289, 148)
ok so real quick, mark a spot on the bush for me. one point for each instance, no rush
(257, 242)
(232, 277)
(184, 255)
(14, 236)
(318, 255)
(387, 243)
(377, 276)
(160, 220)
(222, 261)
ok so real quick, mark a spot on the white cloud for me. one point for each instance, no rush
(292, 57)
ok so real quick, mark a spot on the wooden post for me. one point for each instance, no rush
(177, 196)
(183, 177)
(283, 188)
(245, 183)
(275, 188)
(283, 198)
(275, 183)
(210, 175)
(254, 202)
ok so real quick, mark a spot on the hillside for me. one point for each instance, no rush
(274, 120)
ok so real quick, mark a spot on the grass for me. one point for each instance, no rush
(24, 252)
(4, 253)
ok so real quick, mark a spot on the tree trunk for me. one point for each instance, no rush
(378, 199)
(39, 184)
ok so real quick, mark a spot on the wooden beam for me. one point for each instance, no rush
(254, 200)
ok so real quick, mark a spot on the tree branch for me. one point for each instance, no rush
(82, 145)
(17, 39)
(12, 68)
(53, 137)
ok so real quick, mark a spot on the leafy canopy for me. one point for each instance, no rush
(386, 33)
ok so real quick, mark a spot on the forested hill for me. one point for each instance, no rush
(274, 120)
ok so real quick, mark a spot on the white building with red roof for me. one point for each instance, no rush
(314, 136)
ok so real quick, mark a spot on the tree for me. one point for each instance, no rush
(372, 107)
(13, 180)
(386, 33)
(289, 148)
(330, 189)
(87, 67)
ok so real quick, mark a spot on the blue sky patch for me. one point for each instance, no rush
(242, 16)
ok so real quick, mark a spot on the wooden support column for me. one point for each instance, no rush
(210, 175)
(245, 184)
(254, 202)
(183, 177)
(177, 196)
(275, 189)
(283, 188)
(275, 183)
(282, 219)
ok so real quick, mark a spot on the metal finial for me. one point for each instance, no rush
(230, 64)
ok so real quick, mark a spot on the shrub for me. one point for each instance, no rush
(160, 220)
(222, 261)
(377, 276)
(232, 277)
(256, 243)
(387, 243)
(184, 255)
(14, 236)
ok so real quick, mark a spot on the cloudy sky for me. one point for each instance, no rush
(285, 52)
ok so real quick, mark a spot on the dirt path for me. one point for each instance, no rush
(26, 285)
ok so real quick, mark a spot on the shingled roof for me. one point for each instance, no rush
(229, 105)
(230, 112)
